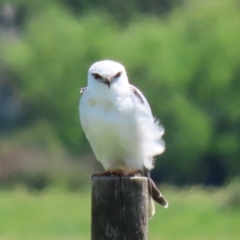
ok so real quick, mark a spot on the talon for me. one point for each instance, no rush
(116, 172)
(101, 174)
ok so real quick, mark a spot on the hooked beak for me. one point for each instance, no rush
(107, 81)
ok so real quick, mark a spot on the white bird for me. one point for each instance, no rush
(119, 125)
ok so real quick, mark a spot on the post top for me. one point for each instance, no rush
(113, 177)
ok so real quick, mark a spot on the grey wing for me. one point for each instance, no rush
(153, 191)
(137, 94)
(152, 130)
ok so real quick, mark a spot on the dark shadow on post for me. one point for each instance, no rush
(119, 208)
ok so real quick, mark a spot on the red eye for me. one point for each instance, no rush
(96, 76)
(117, 75)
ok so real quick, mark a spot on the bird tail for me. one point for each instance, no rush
(151, 207)
(154, 194)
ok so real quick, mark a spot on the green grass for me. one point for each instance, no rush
(56, 215)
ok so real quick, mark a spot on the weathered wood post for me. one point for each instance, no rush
(119, 208)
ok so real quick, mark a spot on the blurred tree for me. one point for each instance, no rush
(186, 64)
(121, 11)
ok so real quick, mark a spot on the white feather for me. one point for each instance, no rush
(119, 127)
(118, 121)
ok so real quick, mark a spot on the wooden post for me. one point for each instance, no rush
(119, 208)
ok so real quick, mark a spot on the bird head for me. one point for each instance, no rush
(107, 73)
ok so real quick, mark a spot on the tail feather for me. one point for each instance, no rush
(151, 207)
(154, 193)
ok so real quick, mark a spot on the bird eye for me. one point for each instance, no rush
(96, 76)
(117, 75)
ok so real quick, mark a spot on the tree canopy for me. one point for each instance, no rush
(186, 63)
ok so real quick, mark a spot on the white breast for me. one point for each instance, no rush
(120, 129)
(112, 133)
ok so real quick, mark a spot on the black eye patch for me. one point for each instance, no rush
(117, 75)
(96, 76)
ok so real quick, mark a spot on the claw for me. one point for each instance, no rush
(120, 172)
(101, 174)
(117, 172)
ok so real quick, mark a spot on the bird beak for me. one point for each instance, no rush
(108, 82)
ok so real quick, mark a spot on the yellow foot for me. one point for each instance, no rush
(112, 172)
(116, 172)
(120, 172)
(101, 174)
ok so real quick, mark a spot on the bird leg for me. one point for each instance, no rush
(126, 173)
(112, 172)
(116, 172)
(101, 174)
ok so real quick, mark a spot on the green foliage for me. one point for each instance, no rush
(35, 158)
(232, 196)
(185, 64)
